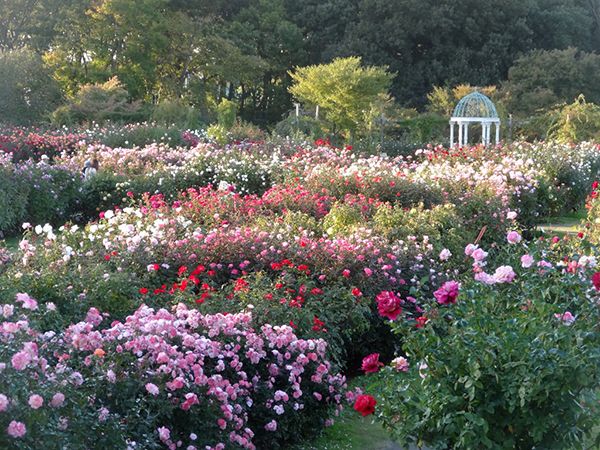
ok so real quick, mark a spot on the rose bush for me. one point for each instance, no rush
(511, 362)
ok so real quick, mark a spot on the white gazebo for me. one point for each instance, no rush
(474, 108)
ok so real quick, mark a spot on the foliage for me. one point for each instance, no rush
(542, 79)
(592, 223)
(531, 364)
(99, 103)
(343, 89)
(576, 122)
(169, 113)
(27, 91)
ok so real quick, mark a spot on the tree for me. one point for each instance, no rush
(343, 89)
(27, 91)
(542, 79)
(445, 42)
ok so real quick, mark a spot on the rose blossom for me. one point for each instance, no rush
(16, 429)
(513, 237)
(152, 389)
(36, 401)
(511, 215)
(388, 305)
(567, 318)
(271, 426)
(57, 400)
(371, 364)
(527, 261)
(469, 249)
(164, 434)
(504, 274)
(3, 402)
(448, 293)
(596, 280)
(400, 364)
(479, 255)
(445, 255)
(28, 302)
(365, 405)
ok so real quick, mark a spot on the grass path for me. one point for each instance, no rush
(562, 225)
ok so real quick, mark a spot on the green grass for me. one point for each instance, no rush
(566, 224)
(352, 432)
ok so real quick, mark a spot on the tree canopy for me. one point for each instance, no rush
(201, 51)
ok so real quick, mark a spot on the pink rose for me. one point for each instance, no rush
(371, 364)
(504, 274)
(527, 261)
(511, 215)
(271, 426)
(164, 434)
(3, 402)
(16, 429)
(513, 237)
(567, 318)
(57, 400)
(152, 389)
(479, 255)
(36, 401)
(469, 249)
(400, 364)
(448, 293)
(389, 305)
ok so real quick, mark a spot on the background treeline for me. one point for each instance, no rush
(188, 55)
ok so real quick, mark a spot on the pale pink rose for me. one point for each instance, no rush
(8, 310)
(271, 426)
(527, 261)
(36, 401)
(400, 364)
(513, 237)
(28, 302)
(368, 272)
(511, 215)
(3, 402)
(152, 389)
(16, 429)
(504, 274)
(469, 249)
(567, 318)
(479, 255)
(445, 255)
(57, 400)
(20, 360)
(164, 434)
(485, 278)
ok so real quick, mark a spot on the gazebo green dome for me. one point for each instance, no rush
(475, 105)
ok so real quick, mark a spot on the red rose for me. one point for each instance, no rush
(143, 291)
(371, 364)
(596, 280)
(388, 305)
(365, 404)
(448, 293)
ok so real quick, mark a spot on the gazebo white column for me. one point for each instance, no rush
(460, 134)
(497, 133)
(451, 134)
(466, 134)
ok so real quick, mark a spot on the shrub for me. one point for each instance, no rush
(13, 199)
(510, 365)
(592, 225)
(169, 113)
(99, 103)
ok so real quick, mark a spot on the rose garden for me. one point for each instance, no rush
(299, 225)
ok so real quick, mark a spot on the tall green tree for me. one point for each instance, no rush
(541, 79)
(27, 91)
(343, 89)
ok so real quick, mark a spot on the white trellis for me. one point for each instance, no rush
(474, 108)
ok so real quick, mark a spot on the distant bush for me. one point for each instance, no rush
(176, 113)
(100, 102)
